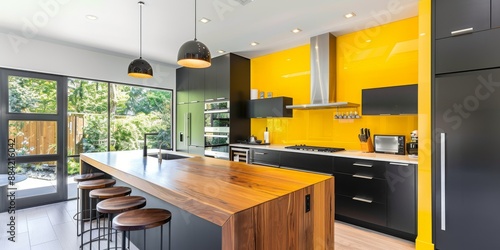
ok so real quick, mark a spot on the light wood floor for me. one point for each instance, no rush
(52, 227)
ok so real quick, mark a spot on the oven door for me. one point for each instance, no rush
(219, 120)
(217, 144)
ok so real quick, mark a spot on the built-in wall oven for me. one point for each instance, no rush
(217, 129)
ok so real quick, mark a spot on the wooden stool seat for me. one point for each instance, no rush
(120, 204)
(110, 192)
(141, 219)
(95, 184)
(86, 177)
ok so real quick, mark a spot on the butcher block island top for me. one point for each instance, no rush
(238, 197)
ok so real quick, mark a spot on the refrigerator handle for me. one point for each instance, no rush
(443, 181)
(187, 128)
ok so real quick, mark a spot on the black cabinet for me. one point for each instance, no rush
(401, 182)
(270, 107)
(478, 47)
(465, 163)
(455, 17)
(228, 78)
(182, 85)
(307, 162)
(377, 194)
(218, 79)
(495, 14)
(395, 100)
(265, 157)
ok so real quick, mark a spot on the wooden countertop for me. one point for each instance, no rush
(212, 189)
(347, 153)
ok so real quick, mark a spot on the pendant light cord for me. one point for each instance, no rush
(195, 20)
(140, 30)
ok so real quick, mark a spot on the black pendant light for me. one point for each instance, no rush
(140, 68)
(194, 54)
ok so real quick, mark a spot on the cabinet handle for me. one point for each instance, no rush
(399, 164)
(462, 31)
(221, 98)
(362, 176)
(181, 103)
(194, 101)
(362, 199)
(443, 182)
(209, 100)
(362, 165)
(259, 153)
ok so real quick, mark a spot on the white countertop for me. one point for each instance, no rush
(347, 153)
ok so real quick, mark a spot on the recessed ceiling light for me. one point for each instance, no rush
(221, 51)
(205, 20)
(254, 43)
(91, 17)
(296, 30)
(349, 15)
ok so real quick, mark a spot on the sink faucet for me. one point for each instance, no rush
(145, 147)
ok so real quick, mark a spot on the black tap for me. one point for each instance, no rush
(145, 147)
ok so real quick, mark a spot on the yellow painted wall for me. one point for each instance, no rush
(382, 56)
(424, 239)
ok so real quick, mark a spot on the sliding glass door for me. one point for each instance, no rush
(32, 115)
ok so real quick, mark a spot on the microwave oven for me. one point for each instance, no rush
(389, 144)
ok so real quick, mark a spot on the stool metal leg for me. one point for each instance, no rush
(144, 238)
(169, 235)
(124, 246)
(161, 237)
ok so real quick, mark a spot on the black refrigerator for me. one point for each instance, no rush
(466, 160)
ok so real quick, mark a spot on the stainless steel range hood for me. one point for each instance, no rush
(323, 75)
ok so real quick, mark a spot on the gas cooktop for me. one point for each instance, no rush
(314, 148)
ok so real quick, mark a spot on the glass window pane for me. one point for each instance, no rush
(73, 165)
(32, 95)
(87, 116)
(138, 110)
(41, 178)
(34, 137)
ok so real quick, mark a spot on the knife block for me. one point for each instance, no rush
(367, 147)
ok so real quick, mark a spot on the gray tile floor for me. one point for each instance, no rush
(52, 227)
(49, 227)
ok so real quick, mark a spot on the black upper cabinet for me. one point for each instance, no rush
(227, 74)
(454, 17)
(397, 100)
(270, 107)
(495, 14)
(217, 79)
(182, 82)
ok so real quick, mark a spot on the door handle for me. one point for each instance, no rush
(187, 128)
(462, 31)
(362, 199)
(443, 181)
(362, 176)
(259, 153)
(362, 165)
(399, 164)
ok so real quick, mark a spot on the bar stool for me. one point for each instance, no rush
(79, 178)
(89, 186)
(103, 194)
(118, 205)
(142, 219)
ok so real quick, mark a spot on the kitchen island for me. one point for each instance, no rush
(218, 204)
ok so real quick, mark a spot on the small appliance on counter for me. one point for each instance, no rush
(412, 147)
(389, 144)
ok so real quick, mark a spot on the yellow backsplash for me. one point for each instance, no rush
(381, 56)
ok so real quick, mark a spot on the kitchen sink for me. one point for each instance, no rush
(170, 156)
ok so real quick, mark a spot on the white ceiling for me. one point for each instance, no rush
(167, 24)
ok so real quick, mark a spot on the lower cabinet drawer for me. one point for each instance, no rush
(369, 212)
(265, 157)
(370, 189)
